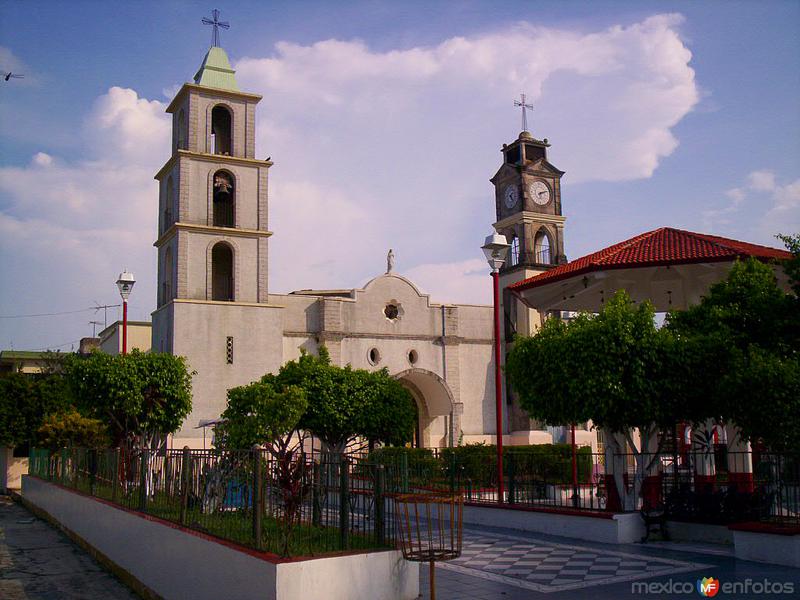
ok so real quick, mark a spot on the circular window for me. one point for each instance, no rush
(374, 356)
(392, 311)
(413, 357)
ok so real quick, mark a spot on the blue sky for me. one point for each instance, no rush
(385, 122)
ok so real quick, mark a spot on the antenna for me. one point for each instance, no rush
(105, 308)
(215, 24)
(521, 103)
(94, 325)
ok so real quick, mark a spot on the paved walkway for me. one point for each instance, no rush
(37, 562)
(507, 564)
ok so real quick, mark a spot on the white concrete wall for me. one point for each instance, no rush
(11, 469)
(622, 528)
(179, 565)
(767, 548)
(200, 332)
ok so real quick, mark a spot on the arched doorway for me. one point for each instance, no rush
(434, 402)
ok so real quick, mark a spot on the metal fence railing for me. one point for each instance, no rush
(311, 505)
(321, 502)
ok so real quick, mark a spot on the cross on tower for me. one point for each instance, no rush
(521, 103)
(215, 24)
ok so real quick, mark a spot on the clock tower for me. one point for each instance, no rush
(528, 208)
(527, 191)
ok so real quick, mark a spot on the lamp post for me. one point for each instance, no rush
(125, 284)
(495, 250)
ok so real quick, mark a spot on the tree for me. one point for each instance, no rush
(71, 429)
(345, 404)
(141, 396)
(615, 368)
(25, 400)
(747, 332)
(263, 414)
(260, 414)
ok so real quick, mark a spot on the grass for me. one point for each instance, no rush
(236, 525)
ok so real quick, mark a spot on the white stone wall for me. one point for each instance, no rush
(200, 333)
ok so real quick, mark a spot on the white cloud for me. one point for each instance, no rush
(772, 208)
(372, 149)
(761, 181)
(42, 159)
(465, 282)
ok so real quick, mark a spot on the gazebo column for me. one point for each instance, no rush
(615, 459)
(651, 484)
(705, 474)
(740, 460)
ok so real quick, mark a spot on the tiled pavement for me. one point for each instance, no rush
(506, 564)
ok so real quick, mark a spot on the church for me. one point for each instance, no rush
(215, 307)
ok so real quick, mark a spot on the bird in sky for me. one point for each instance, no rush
(11, 75)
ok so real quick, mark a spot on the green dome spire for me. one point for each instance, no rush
(216, 71)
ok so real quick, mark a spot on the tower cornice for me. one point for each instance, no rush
(213, 158)
(204, 89)
(527, 216)
(214, 229)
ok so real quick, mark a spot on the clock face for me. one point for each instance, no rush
(510, 196)
(539, 192)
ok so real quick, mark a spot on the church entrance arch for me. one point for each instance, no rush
(434, 401)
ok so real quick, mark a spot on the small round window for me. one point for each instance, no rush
(374, 356)
(413, 357)
(392, 311)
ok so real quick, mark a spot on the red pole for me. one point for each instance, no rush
(124, 326)
(498, 387)
(574, 469)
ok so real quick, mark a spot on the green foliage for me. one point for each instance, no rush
(346, 403)
(607, 367)
(71, 429)
(139, 394)
(417, 459)
(792, 266)
(745, 338)
(24, 402)
(261, 414)
(548, 463)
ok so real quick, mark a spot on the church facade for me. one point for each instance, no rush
(215, 307)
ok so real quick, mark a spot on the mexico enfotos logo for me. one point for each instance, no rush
(708, 587)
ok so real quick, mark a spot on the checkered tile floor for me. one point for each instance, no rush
(548, 567)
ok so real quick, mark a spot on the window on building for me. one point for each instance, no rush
(166, 281)
(514, 252)
(224, 195)
(169, 201)
(229, 350)
(221, 130)
(541, 248)
(222, 272)
(180, 127)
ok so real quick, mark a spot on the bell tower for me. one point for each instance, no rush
(213, 299)
(527, 189)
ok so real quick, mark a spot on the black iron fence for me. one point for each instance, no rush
(312, 504)
(319, 503)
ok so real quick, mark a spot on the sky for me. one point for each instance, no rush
(385, 122)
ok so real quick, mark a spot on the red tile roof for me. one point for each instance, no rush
(664, 246)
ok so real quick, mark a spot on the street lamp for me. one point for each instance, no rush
(125, 284)
(495, 249)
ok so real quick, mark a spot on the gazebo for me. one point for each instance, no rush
(670, 267)
(673, 269)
